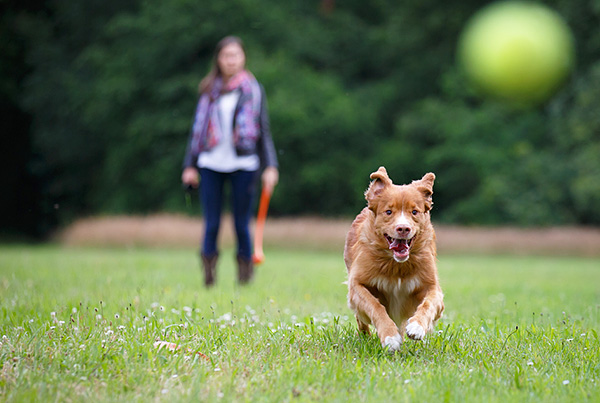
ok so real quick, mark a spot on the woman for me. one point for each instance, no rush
(230, 142)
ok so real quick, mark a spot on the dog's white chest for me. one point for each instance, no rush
(396, 293)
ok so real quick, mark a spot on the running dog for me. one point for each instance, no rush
(390, 255)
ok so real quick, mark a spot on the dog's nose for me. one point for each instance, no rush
(403, 230)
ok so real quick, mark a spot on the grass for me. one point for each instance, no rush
(80, 324)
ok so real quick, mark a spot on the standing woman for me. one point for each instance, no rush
(230, 142)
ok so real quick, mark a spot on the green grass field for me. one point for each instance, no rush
(80, 325)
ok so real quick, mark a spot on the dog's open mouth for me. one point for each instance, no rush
(400, 247)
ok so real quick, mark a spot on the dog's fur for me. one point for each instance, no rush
(391, 260)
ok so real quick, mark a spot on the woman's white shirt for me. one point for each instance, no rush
(222, 157)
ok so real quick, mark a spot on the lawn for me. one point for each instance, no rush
(80, 324)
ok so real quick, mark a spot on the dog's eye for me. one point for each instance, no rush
(388, 212)
(415, 212)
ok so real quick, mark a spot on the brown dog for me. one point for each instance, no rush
(391, 259)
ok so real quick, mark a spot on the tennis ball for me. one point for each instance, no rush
(516, 51)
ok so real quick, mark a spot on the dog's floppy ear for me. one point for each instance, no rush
(425, 186)
(379, 181)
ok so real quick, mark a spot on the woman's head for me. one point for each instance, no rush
(230, 56)
(229, 59)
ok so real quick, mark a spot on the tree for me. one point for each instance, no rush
(111, 88)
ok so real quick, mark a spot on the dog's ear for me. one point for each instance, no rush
(425, 186)
(379, 181)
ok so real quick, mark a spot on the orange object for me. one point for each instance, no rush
(263, 207)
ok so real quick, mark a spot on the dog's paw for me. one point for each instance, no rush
(393, 343)
(415, 331)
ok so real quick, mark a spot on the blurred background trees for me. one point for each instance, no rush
(98, 97)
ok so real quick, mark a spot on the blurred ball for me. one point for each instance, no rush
(517, 51)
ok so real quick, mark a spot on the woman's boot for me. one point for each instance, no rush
(245, 269)
(210, 264)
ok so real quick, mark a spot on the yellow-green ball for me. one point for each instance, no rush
(517, 51)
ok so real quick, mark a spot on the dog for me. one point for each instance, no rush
(390, 255)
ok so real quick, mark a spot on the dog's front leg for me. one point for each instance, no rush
(364, 303)
(427, 313)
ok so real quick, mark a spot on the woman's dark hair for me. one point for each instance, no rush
(208, 81)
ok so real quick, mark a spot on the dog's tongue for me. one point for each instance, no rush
(399, 245)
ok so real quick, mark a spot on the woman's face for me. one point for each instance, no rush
(231, 60)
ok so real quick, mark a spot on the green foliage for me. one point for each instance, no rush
(577, 143)
(113, 89)
(80, 324)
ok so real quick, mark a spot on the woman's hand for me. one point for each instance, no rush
(190, 177)
(270, 177)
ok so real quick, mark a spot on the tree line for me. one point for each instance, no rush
(98, 98)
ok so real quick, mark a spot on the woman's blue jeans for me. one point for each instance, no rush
(212, 186)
